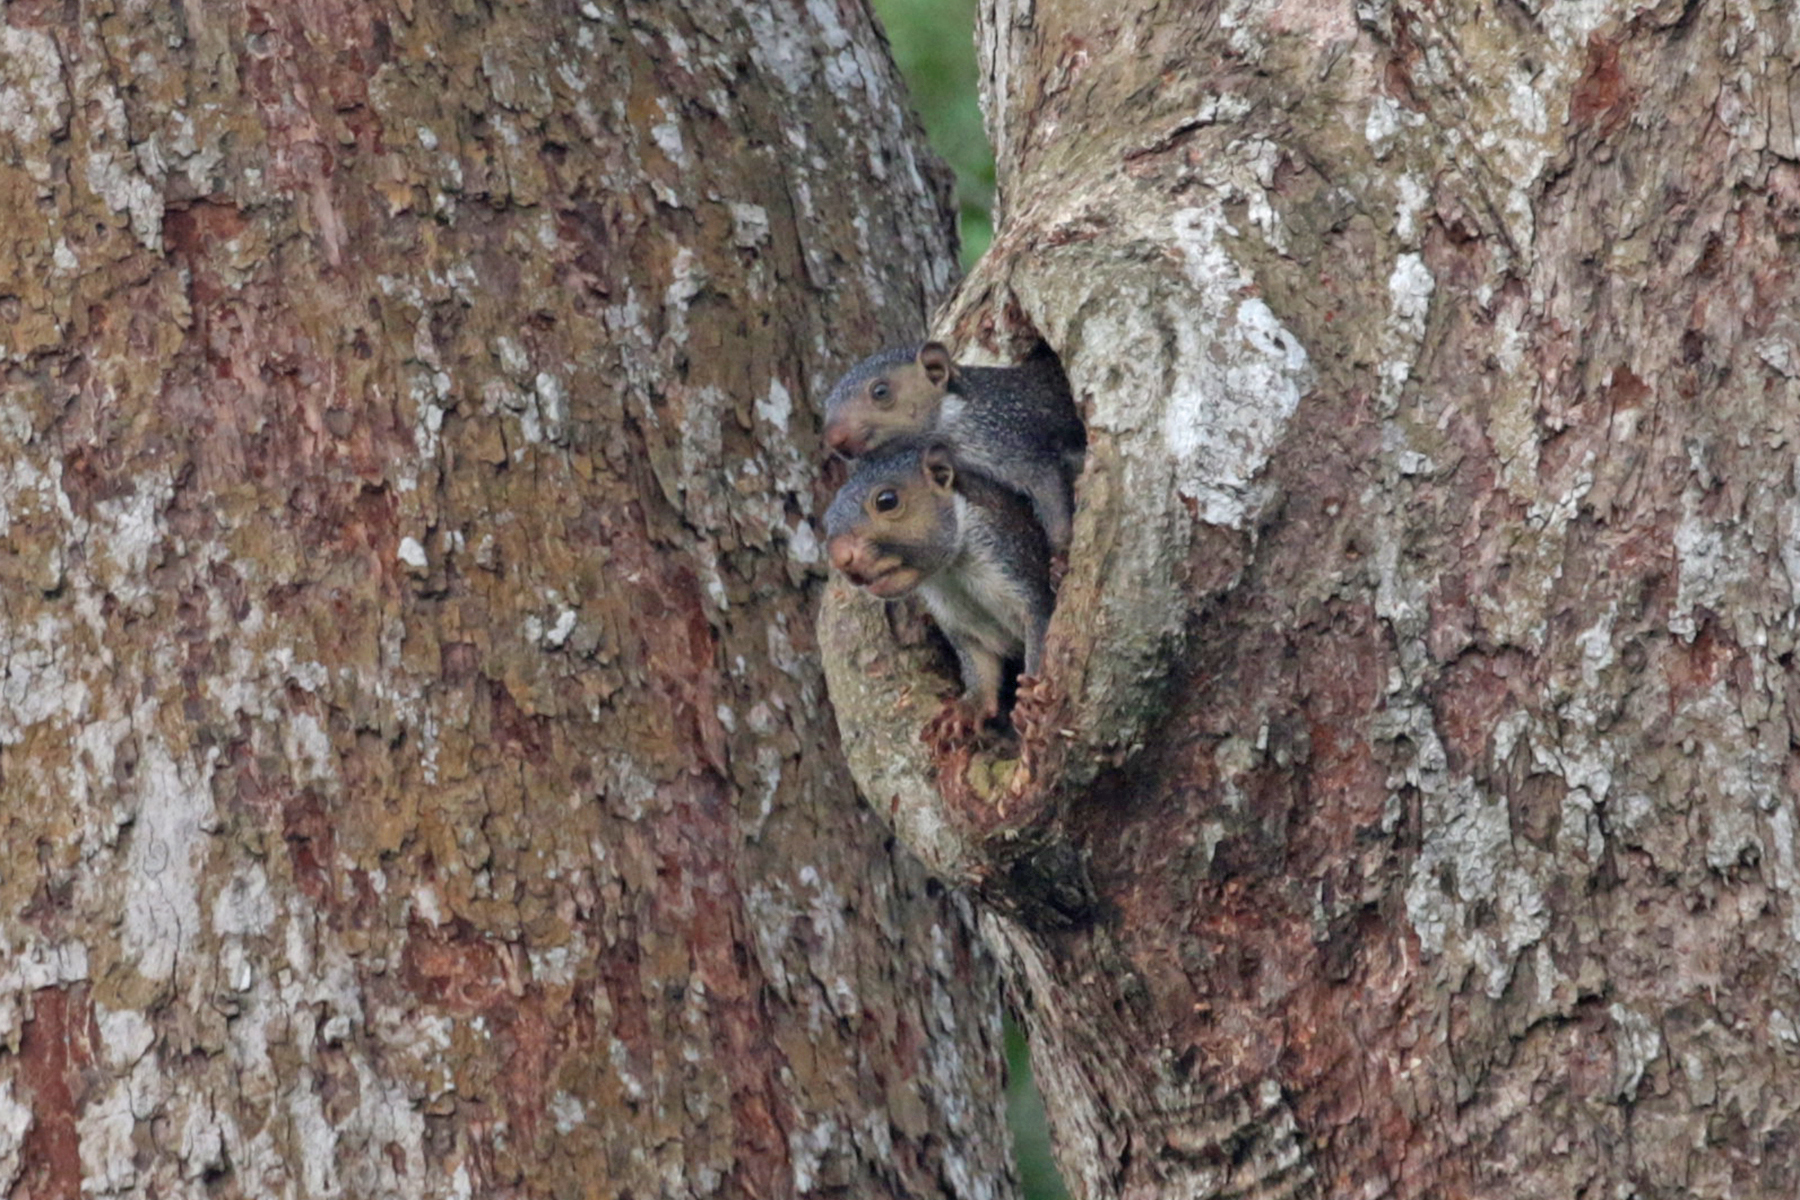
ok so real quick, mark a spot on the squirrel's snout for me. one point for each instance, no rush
(857, 558)
(842, 550)
(840, 439)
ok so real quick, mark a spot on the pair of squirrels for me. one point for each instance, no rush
(961, 491)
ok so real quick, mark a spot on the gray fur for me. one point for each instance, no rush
(1016, 425)
(867, 369)
(987, 567)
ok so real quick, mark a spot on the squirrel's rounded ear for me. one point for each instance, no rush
(940, 468)
(934, 360)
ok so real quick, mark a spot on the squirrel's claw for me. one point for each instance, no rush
(956, 724)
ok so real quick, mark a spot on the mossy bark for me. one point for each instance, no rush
(1423, 677)
(417, 776)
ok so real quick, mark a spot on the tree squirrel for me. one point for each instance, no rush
(912, 517)
(1016, 425)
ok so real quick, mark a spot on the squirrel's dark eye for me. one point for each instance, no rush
(879, 390)
(887, 500)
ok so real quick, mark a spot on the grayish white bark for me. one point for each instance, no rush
(1424, 671)
(415, 773)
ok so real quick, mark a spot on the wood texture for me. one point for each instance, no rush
(415, 772)
(1423, 678)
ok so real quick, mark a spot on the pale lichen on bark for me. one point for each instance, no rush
(1441, 404)
(419, 781)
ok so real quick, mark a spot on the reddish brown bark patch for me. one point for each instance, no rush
(1602, 91)
(43, 14)
(50, 1055)
(309, 836)
(533, 1043)
(451, 969)
(1473, 696)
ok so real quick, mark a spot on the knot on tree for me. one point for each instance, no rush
(1177, 397)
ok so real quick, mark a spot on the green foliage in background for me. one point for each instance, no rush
(1025, 1114)
(934, 43)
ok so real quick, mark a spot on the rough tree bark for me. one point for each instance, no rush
(1417, 818)
(415, 771)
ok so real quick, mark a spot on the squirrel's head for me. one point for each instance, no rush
(892, 394)
(894, 523)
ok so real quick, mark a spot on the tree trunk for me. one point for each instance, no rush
(1417, 812)
(417, 778)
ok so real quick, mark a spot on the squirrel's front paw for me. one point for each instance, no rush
(955, 724)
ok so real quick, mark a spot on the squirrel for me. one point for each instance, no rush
(914, 518)
(1016, 425)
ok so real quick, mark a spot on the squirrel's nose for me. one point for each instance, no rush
(842, 550)
(839, 438)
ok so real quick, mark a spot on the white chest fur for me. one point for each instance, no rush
(967, 602)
